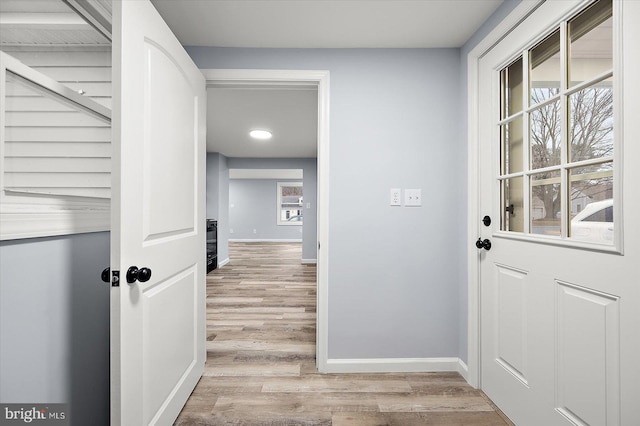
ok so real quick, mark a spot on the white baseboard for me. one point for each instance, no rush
(223, 262)
(264, 240)
(309, 261)
(394, 365)
(463, 369)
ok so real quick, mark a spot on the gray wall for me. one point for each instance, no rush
(253, 207)
(310, 183)
(394, 273)
(54, 324)
(397, 275)
(502, 11)
(218, 200)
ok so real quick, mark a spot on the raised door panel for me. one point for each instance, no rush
(170, 179)
(511, 321)
(170, 315)
(587, 355)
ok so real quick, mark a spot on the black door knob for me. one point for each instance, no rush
(486, 220)
(134, 274)
(144, 274)
(106, 275)
(483, 244)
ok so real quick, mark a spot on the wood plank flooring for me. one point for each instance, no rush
(260, 369)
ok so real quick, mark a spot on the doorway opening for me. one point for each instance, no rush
(318, 80)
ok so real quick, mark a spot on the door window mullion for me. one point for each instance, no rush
(526, 137)
(564, 116)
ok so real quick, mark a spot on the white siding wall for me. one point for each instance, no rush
(57, 153)
(51, 145)
(79, 69)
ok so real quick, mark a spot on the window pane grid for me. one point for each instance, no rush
(591, 162)
(511, 83)
(512, 198)
(591, 122)
(545, 202)
(590, 42)
(592, 204)
(584, 84)
(545, 65)
(512, 146)
(568, 91)
(567, 122)
(546, 139)
(511, 118)
(549, 100)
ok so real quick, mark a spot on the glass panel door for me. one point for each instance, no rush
(557, 132)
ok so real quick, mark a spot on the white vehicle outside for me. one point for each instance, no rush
(594, 223)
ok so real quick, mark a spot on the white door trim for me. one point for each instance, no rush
(525, 8)
(319, 79)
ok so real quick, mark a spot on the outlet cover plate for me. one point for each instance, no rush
(396, 197)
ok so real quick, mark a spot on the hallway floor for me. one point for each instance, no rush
(260, 370)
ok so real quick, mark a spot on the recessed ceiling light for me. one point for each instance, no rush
(260, 134)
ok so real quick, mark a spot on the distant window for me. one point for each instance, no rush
(289, 203)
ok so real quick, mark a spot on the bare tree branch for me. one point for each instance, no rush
(590, 136)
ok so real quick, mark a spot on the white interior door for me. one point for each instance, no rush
(158, 221)
(559, 293)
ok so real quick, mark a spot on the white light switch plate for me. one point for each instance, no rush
(413, 197)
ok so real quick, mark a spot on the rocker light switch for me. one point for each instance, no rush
(412, 197)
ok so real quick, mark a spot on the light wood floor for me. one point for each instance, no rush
(260, 370)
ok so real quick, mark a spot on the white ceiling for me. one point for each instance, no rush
(325, 23)
(291, 114)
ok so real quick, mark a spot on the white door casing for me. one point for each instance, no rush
(318, 79)
(158, 219)
(557, 323)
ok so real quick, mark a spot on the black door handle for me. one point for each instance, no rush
(483, 244)
(134, 274)
(106, 275)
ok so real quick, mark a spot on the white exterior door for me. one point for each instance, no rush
(158, 220)
(559, 288)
